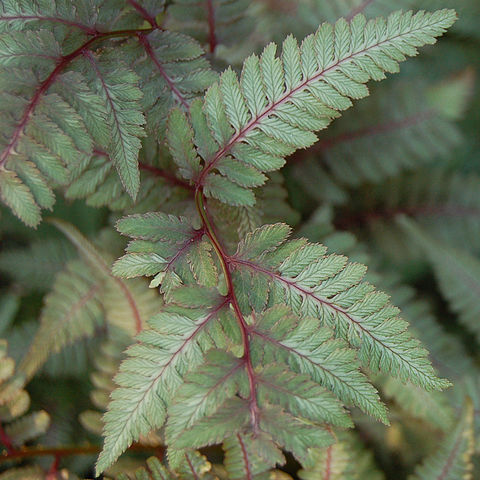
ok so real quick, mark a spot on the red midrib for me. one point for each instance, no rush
(254, 122)
(245, 458)
(334, 307)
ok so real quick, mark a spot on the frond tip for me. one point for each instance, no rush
(279, 102)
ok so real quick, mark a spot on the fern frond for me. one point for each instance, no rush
(72, 311)
(175, 343)
(173, 71)
(344, 460)
(217, 22)
(127, 304)
(446, 204)
(279, 102)
(166, 247)
(453, 458)
(247, 456)
(457, 272)
(380, 140)
(328, 287)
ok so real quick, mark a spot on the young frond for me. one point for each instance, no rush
(252, 124)
(268, 268)
(452, 460)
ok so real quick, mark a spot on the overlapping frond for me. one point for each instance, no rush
(379, 140)
(149, 378)
(247, 127)
(72, 311)
(446, 204)
(328, 287)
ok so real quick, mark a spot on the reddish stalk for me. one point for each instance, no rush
(171, 85)
(245, 457)
(6, 440)
(151, 20)
(29, 452)
(53, 470)
(158, 172)
(212, 38)
(244, 328)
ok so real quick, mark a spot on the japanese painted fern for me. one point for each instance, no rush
(249, 336)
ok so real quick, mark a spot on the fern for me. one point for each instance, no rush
(255, 345)
(452, 460)
(458, 274)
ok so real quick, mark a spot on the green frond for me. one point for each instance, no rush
(121, 96)
(127, 303)
(330, 288)
(155, 368)
(168, 248)
(457, 273)
(309, 350)
(452, 460)
(278, 102)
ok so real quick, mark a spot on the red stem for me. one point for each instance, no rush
(148, 48)
(52, 472)
(28, 452)
(212, 38)
(244, 328)
(151, 20)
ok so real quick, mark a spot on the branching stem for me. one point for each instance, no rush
(244, 328)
